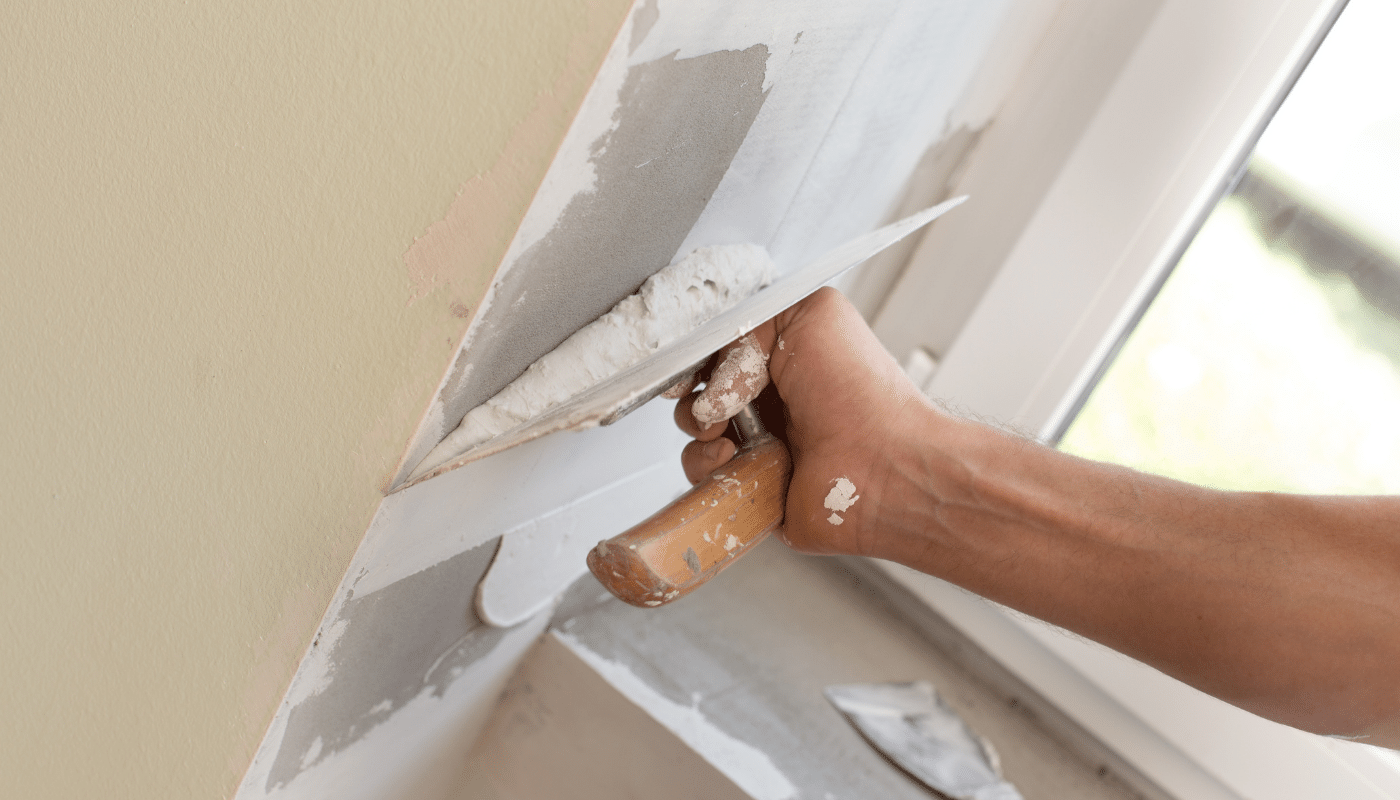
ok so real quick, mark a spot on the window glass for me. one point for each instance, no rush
(1270, 359)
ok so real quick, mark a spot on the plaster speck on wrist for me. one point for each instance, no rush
(841, 497)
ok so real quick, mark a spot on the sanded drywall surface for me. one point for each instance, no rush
(214, 352)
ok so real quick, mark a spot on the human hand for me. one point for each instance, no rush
(848, 412)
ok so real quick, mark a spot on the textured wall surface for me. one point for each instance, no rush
(213, 348)
(793, 124)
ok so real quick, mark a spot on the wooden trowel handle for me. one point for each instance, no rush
(705, 530)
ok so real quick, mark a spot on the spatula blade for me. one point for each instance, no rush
(610, 399)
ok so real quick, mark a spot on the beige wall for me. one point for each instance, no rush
(214, 351)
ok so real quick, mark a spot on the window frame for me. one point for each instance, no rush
(1164, 145)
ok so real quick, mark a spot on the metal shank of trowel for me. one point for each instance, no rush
(691, 540)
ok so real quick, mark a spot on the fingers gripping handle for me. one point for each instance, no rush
(705, 530)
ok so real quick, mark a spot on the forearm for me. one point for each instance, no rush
(1283, 605)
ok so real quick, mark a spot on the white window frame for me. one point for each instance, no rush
(1159, 152)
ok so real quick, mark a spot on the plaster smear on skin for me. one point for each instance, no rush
(670, 304)
(841, 497)
(746, 765)
(737, 380)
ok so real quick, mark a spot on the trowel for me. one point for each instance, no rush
(699, 534)
(921, 734)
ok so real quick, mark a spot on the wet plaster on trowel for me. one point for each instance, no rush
(669, 305)
(658, 137)
(841, 497)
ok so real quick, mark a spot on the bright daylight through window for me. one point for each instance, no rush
(1270, 359)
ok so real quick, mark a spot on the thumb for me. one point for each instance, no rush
(741, 374)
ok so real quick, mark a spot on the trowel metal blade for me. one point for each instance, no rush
(610, 399)
(915, 729)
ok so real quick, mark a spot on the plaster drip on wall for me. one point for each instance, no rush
(669, 305)
(750, 768)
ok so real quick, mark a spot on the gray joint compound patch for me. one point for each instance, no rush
(679, 124)
(412, 635)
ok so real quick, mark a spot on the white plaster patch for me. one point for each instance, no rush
(750, 768)
(841, 497)
(317, 672)
(669, 305)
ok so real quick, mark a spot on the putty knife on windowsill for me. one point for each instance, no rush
(706, 529)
